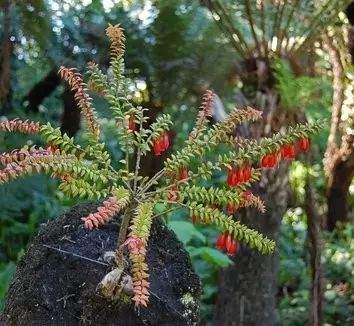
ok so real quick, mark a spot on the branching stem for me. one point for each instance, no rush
(123, 230)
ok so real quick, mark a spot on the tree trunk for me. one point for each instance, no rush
(5, 59)
(41, 90)
(71, 117)
(247, 289)
(338, 192)
(314, 235)
(339, 156)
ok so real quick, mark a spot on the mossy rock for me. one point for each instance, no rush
(55, 288)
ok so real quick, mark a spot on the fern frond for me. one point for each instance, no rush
(205, 112)
(115, 34)
(48, 163)
(238, 231)
(137, 243)
(17, 125)
(108, 210)
(196, 148)
(79, 188)
(98, 81)
(77, 85)
(54, 136)
(221, 197)
(18, 155)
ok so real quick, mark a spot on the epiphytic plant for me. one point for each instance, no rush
(86, 171)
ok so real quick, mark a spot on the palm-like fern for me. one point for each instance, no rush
(268, 28)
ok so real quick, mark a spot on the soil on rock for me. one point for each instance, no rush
(56, 288)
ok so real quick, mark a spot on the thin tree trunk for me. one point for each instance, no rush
(71, 117)
(247, 289)
(314, 236)
(5, 58)
(41, 90)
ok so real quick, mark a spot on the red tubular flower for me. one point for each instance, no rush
(157, 147)
(228, 242)
(233, 248)
(240, 176)
(166, 141)
(237, 175)
(303, 144)
(288, 152)
(232, 178)
(247, 172)
(221, 241)
(269, 160)
(183, 174)
(194, 219)
(131, 123)
(265, 161)
(161, 144)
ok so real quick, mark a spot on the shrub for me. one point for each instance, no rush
(85, 171)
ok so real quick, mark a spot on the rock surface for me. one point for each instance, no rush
(56, 288)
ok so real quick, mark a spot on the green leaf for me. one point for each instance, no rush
(186, 231)
(211, 255)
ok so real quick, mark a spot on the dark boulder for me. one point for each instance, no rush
(58, 288)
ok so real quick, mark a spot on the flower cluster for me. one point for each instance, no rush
(286, 152)
(239, 175)
(226, 242)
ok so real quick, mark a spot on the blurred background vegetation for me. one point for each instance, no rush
(175, 51)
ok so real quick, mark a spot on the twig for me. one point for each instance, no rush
(75, 255)
(138, 155)
(156, 177)
(252, 25)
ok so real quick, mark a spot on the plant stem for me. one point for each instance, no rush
(156, 177)
(138, 157)
(123, 230)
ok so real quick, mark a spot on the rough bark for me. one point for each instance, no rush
(338, 191)
(314, 236)
(247, 289)
(59, 288)
(339, 156)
